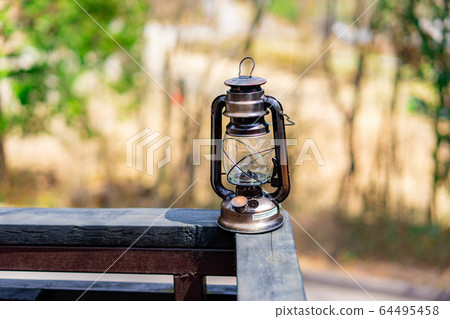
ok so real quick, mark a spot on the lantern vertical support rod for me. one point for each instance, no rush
(216, 136)
(282, 192)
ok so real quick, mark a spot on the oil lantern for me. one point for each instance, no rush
(249, 155)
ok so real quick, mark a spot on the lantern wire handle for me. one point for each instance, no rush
(248, 57)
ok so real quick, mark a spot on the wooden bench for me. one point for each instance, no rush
(185, 243)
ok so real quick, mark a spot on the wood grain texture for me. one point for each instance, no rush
(267, 266)
(102, 227)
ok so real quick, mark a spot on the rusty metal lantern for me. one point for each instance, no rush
(250, 155)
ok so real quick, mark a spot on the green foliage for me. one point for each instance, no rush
(416, 105)
(419, 32)
(419, 106)
(60, 43)
(286, 9)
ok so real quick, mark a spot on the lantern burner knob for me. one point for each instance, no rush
(239, 203)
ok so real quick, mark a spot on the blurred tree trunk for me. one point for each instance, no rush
(391, 163)
(349, 114)
(440, 167)
(165, 178)
(333, 86)
(3, 167)
(260, 5)
(431, 212)
(348, 185)
(379, 197)
(435, 53)
(192, 131)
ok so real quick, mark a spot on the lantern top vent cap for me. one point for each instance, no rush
(246, 80)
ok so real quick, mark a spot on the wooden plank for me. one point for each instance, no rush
(267, 266)
(89, 239)
(18, 294)
(174, 228)
(136, 260)
(98, 295)
(82, 285)
(189, 287)
(106, 286)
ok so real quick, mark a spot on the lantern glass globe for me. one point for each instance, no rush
(247, 160)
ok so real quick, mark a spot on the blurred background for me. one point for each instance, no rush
(374, 98)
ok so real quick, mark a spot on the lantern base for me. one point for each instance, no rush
(261, 215)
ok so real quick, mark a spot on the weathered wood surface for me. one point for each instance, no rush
(267, 266)
(100, 227)
(18, 294)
